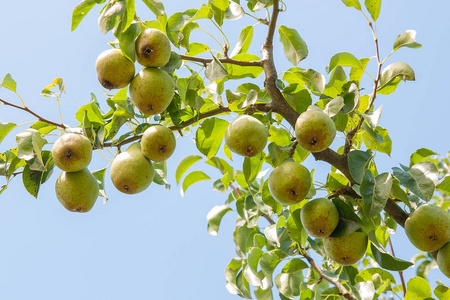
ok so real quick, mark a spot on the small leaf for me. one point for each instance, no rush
(344, 59)
(375, 192)
(352, 3)
(417, 288)
(387, 261)
(358, 161)
(244, 41)
(294, 46)
(209, 136)
(374, 7)
(392, 75)
(417, 179)
(406, 39)
(215, 70)
(351, 97)
(100, 176)
(420, 155)
(373, 117)
(192, 178)
(5, 128)
(109, 15)
(80, 11)
(442, 292)
(156, 6)
(214, 218)
(252, 166)
(9, 83)
(334, 106)
(59, 82)
(185, 164)
(313, 80)
(444, 184)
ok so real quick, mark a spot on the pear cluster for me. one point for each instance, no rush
(76, 188)
(152, 88)
(428, 229)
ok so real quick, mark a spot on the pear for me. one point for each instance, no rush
(443, 259)
(314, 129)
(131, 172)
(77, 191)
(348, 249)
(246, 136)
(428, 227)
(158, 143)
(152, 90)
(319, 217)
(289, 183)
(72, 152)
(114, 70)
(152, 48)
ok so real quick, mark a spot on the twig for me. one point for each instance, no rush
(225, 60)
(33, 113)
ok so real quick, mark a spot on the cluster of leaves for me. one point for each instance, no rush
(269, 237)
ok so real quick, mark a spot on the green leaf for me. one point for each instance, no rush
(156, 6)
(352, 3)
(130, 10)
(237, 72)
(244, 41)
(192, 178)
(30, 143)
(416, 180)
(374, 7)
(295, 228)
(367, 275)
(184, 165)
(9, 83)
(209, 136)
(32, 179)
(5, 128)
(294, 47)
(444, 184)
(204, 12)
(56, 82)
(197, 48)
(348, 221)
(377, 139)
(100, 176)
(442, 292)
(357, 73)
(294, 265)
(280, 136)
(406, 39)
(313, 80)
(262, 294)
(344, 59)
(417, 288)
(252, 166)
(420, 155)
(351, 97)
(373, 117)
(268, 263)
(387, 261)
(214, 218)
(215, 70)
(109, 16)
(375, 192)
(334, 106)
(126, 40)
(358, 161)
(81, 10)
(178, 21)
(392, 75)
(219, 7)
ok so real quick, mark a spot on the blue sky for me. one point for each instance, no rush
(155, 244)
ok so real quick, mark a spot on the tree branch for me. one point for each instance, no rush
(33, 113)
(224, 60)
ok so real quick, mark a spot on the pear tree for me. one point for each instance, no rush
(296, 236)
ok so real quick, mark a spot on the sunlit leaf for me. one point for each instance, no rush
(209, 136)
(5, 128)
(294, 46)
(81, 10)
(444, 184)
(406, 39)
(417, 288)
(192, 178)
(387, 261)
(9, 83)
(352, 3)
(344, 59)
(374, 7)
(214, 218)
(420, 155)
(358, 162)
(392, 75)
(184, 165)
(100, 177)
(156, 6)
(215, 70)
(59, 82)
(244, 41)
(375, 192)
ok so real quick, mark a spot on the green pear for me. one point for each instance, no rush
(158, 143)
(428, 227)
(246, 136)
(348, 249)
(443, 259)
(152, 90)
(152, 48)
(114, 70)
(72, 152)
(314, 129)
(77, 191)
(131, 172)
(289, 183)
(319, 217)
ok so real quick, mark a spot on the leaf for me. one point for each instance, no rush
(263, 294)
(295, 228)
(334, 106)
(406, 39)
(192, 178)
(351, 97)
(352, 3)
(348, 221)
(392, 75)
(204, 12)
(444, 184)
(358, 162)
(56, 82)
(294, 47)
(417, 288)
(313, 80)
(420, 155)
(214, 218)
(252, 166)
(442, 292)
(375, 192)
(215, 70)
(244, 41)
(126, 41)
(279, 135)
(30, 143)
(237, 72)
(80, 11)
(184, 165)
(234, 11)
(109, 16)
(373, 117)
(374, 7)
(416, 181)
(156, 6)
(32, 179)
(100, 176)
(9, 83)
(176, 22)
(209, 136)
(344, 59)
(387, 261)
(367, 275)
(5, 128)
(219, 7)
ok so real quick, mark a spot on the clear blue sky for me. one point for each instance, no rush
(154, 245)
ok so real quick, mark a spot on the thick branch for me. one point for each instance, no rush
(33, 113)
(224, 60)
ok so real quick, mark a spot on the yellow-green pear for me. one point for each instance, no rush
(443, 259)
(158, 143)
(72, 152)
(131, 172)
(348, 249)
(319, 217)
(246, 136)
(114, 70)
(428, 227)
(152, 90)
(77, 191)
(289, 183)
(314, 129)
(152, 48)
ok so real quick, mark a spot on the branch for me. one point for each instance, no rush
(226, 60)
(33, 113)
(344, 292)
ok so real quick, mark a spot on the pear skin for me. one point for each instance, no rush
(114, 70)
(152, 48)
(348, 249)
(428, 227)
(77, 191)
(319, 217)
(131, 172)
(443, 259)
(246, 136)
(72, 152)
(158, 143)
